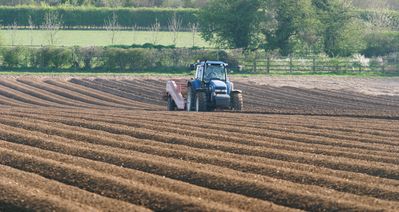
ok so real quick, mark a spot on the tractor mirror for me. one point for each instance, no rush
(192, 67)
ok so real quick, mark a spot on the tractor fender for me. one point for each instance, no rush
(195, 84)
(236, 91)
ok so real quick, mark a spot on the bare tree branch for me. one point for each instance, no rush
(14, 28)
(174, 26)
(53, 24)
(194, 30)
(111, 25)
(31, 27)
(155, 31)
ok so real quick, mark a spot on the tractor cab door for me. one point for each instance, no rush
(196, 83)
(199, 73)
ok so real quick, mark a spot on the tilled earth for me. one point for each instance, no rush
(89, 144)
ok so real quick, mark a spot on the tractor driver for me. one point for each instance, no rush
(215, 72)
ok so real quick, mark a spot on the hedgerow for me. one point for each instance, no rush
(95, 17)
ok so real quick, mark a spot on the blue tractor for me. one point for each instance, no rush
(210, 89)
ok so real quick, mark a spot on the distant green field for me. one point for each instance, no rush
(97, 38)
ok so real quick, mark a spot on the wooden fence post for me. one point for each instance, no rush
(254, 68)
(268, 65)
(382, 65)
(396, 62)
(291, 63)
(314, 64)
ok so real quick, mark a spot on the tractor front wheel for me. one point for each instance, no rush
(201, 102)
(236, 102)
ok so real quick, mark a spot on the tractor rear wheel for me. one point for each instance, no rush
(171, 104)
(236, 101)
(201, 102)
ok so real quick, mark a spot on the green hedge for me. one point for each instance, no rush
(381, 43)
(91, 16)
(105, 58)
(111, 59)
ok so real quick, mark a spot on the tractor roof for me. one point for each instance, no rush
(210, 62)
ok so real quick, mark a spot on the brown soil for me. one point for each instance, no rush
(83, 144)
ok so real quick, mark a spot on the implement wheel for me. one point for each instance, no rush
(171, 104)
(237, 103)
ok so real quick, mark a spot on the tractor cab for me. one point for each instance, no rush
(208, 71)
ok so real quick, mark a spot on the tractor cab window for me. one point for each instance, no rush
(215, 72)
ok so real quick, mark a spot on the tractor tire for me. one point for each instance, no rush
(190, 99)
(201, 103)
(237, 103)
(171, 104)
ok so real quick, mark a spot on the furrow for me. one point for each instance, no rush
(236, 162)
(97, 182)
(17, 197)
(372, 168)
(94, 93)
(233, 200)
(45, 96)
(316, 198)
(67, 94)
(70, 194)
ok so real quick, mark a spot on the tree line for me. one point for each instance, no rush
(366, 4)
(110, 3)
(288, 26)
(333, 27)
(95, 17)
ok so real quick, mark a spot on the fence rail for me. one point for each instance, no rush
(317, 64)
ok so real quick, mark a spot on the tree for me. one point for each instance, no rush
(194, 30)
(289, 26)
(174, 26)
(231, 23)
(111, 25)
(351, 39)
(296, 23)
(155, 31)
(31, 27)
(341, 30)
(381, 17)
(53, 24)
(14, 29)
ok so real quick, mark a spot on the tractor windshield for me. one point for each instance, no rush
(215, 72)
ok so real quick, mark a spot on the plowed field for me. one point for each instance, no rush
(83, 144)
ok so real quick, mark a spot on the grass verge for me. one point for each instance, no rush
(164, 72)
